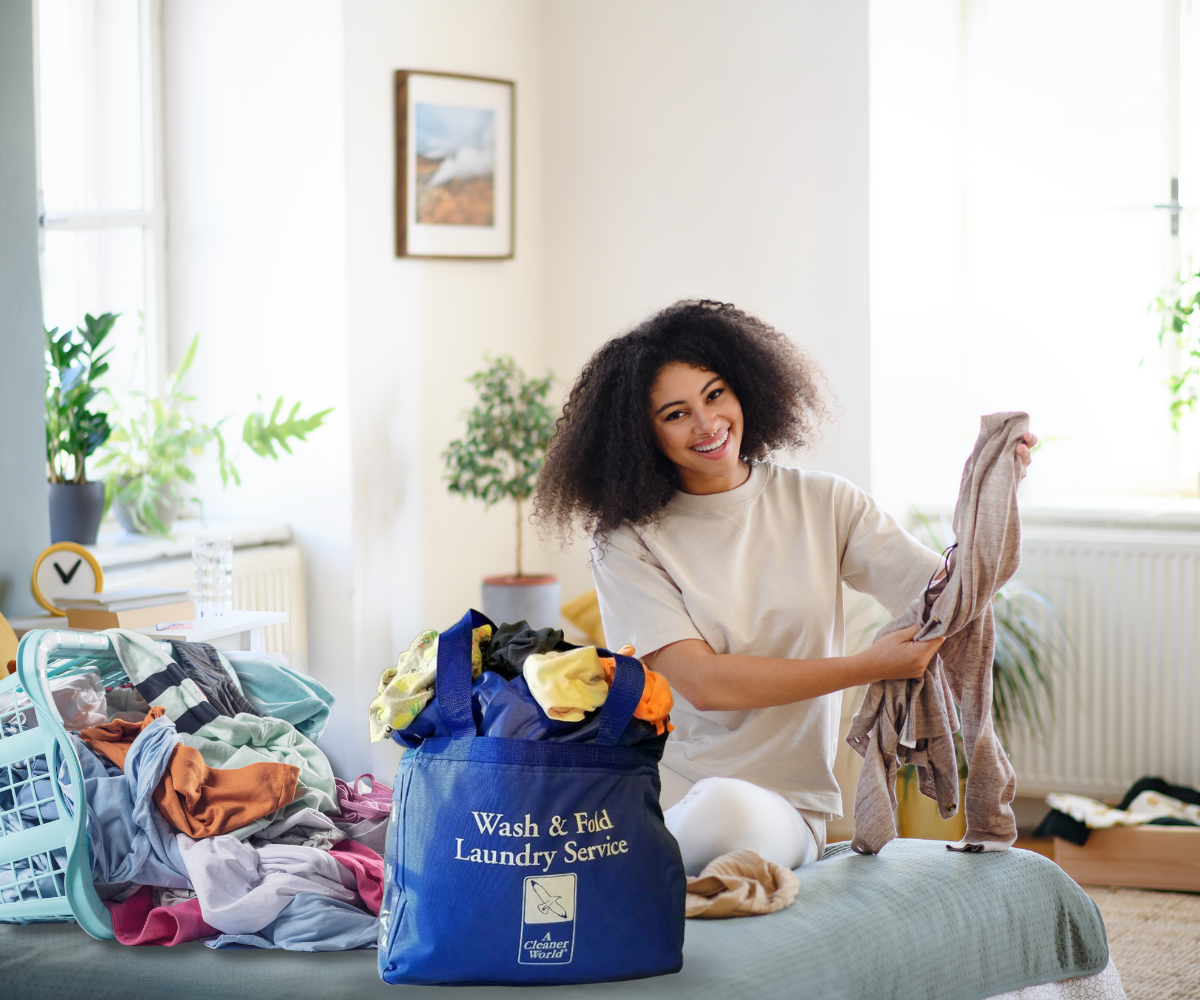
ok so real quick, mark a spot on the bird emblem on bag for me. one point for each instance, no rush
(549, 902)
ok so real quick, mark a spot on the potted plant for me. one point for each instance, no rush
(1179, 309)
(499, 458)
(149, 452)
(74, 365)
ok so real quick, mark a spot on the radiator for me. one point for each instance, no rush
(265, 578)
(1129, 704)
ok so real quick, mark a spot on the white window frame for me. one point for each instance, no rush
(152, 216)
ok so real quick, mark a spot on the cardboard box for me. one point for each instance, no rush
(137, 618)
(1141, 857)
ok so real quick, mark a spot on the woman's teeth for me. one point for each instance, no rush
(716, 445)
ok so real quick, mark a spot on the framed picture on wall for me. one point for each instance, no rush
(455, 165)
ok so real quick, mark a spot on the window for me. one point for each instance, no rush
(1019, 151)
(100, 176)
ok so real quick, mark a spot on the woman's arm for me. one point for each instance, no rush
(728, 682)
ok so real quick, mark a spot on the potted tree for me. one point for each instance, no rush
(74, 365)
(499, 458)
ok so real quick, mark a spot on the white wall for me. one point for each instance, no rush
(664, 149)
(700, 148)
(257, 263)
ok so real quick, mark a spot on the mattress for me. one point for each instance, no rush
(916, 922)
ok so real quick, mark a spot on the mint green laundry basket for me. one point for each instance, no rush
(45, 863)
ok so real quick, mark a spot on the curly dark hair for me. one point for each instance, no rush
(604, 468)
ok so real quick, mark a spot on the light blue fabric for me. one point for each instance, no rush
(309, 923)
(129, 839)
(283, 693)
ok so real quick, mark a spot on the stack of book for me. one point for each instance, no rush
(134, 607)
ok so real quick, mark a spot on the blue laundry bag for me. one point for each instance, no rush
(526, 862)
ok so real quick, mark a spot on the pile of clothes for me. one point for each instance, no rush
(212, 814)
(1148, 802)
(527, 684)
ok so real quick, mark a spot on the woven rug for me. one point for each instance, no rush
(1154, 939)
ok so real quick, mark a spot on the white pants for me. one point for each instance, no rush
(718, 815)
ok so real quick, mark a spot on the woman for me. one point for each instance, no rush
(725, 571)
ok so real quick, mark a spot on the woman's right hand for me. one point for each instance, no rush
(896, 656)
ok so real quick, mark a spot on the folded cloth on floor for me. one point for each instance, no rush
(202, 663)
(367, 867)
(124, 702)
(242, 888)
(275, 689)
(740, 884)
(511, 646)
(913, 721)
(138, 921)
(1145, 808)
(305, 827)
(567, 685)
(194, 798)
(79, 699)
(309, 923)
(236, 741)
(160, 680)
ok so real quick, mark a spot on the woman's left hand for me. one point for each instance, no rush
(1025, 452)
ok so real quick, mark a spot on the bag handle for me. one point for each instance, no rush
(454, 684)
(629, 680)
(454, 673)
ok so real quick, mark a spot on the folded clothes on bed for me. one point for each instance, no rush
(196, 799)
(275, 689)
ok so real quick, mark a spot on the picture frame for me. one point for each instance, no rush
(455, 166)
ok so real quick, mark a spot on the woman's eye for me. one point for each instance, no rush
(674, 414)
(714, 394)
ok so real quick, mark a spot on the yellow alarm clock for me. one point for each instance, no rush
(66, 569)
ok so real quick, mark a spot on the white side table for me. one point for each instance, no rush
(237, 630)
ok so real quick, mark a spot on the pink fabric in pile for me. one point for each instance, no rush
(367, 867)
(137, 920)
(357, 806)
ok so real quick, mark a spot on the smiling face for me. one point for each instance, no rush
(697, 423)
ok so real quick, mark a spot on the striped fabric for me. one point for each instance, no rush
(161, 681)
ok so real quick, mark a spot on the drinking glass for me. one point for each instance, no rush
(212, 562)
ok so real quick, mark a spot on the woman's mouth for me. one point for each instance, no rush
(713, 447)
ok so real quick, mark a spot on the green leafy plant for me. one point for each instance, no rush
(74, 364)
(508, 431)
(150, 451)
(1179, 309)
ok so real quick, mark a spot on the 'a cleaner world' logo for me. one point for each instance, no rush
(548, 920)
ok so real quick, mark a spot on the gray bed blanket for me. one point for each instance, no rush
(917, 922)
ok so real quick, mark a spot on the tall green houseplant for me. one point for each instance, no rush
(74, 366)
(508, 432)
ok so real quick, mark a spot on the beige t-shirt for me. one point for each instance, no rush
(758, 571)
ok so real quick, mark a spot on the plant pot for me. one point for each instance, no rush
(533, 599)
(167, 509)
(75, 512)
(919, 817)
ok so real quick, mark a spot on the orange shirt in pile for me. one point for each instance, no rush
(196, 799)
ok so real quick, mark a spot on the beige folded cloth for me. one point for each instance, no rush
(740, 884)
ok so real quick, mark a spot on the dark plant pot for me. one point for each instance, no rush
(75, 512)
(535, 599)
(166, 509)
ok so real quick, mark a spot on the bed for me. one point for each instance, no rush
(916, 922)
